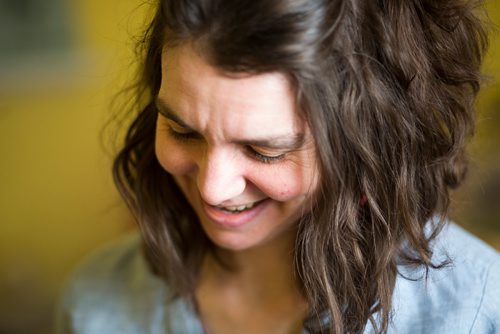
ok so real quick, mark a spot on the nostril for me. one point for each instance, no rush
(207, 200)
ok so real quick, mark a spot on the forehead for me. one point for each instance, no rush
(184, 68)
(192, 87)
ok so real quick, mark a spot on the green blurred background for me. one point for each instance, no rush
(57, 200)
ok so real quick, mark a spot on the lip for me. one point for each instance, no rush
(227, 219)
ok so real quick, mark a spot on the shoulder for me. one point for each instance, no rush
(113, 291)
(465, 248)
(459, 298)
(476, 271)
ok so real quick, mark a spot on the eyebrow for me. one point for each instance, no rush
(164, 109)
(287, 142)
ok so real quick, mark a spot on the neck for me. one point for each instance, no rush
(264, 271)
(257, 290)
(270, 260)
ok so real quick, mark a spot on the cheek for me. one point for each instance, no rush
(285, 183)
(173, 157)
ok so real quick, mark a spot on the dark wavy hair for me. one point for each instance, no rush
(388, 89)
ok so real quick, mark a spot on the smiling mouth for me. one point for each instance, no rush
(239, 208)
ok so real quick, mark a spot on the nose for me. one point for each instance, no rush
(220, 177)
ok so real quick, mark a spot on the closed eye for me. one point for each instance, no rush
(265, 158)
(182, 135)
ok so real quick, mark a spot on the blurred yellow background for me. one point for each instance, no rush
(57, 200)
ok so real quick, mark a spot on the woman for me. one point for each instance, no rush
(290, 172)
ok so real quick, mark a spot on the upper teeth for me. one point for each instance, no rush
(238, 207)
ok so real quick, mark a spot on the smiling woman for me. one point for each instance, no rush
(290, 173)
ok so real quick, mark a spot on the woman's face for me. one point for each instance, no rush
(237, 148)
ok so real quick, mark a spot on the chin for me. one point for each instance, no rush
(255, 235)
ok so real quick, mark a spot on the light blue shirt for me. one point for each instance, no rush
(114, 292)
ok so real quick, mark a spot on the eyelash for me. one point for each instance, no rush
(183, 137)
(180, 136)
(265, 158)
